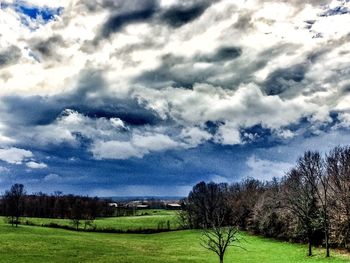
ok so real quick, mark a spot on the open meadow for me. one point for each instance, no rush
(151, 219)
(43, 244)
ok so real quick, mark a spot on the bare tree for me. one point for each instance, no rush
(311, 166)
(14, 202)
(77, 214)
(338, 171)
(242, 199)
(218, 239)
(300, 198)
(219, 234)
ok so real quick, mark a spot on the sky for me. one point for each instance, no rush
(149, 97)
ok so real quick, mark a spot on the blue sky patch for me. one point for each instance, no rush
(33, 12)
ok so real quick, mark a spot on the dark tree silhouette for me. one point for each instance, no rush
(312, 167)
(300, 198)
(205, 202)
(338, 172)
(77, 213)
(14, 202)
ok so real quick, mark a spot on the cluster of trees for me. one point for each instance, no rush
(16, 203)
(207, 207)
(311, 203)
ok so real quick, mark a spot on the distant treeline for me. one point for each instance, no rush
(15, 203)
(311, 203)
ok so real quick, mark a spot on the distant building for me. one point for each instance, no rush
(142, 206)
(173, 206)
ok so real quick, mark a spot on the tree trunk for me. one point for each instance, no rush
(326, 231)
(310, 248)
(327, 243)
(221, 258)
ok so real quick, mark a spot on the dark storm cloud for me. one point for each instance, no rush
(160, 170)
(346, 89)
(28, 111)
(244, 22)
(222, 54)
(242, 71)
(164, 75)
(316, 55)
(180, 15)
(47, 48)
(135, 12)
(291, 80)
(124, 13)
(91, 98)
(114, 5)
(9, 56)
(281, 80)
(171, 73)
(178, 71)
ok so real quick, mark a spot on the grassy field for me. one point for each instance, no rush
(145, 219)
(40, 244)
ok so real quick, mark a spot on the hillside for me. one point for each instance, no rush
(40, 244)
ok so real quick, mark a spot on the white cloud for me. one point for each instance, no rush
(243, 108)
(14, 155)
(137, 147)
(219, 179)
(36, 165)
(4, 169)
(153, 142)
(195, 136)
(235, 97)
(114, 150)
(5, 140)
(266, 169)
(344, 119)
(70, 124)
(228, 135)
(52, 178)
(285, 133)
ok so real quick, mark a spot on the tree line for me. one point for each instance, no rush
(16, 203)
(310, 204)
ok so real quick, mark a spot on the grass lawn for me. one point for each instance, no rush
(40, 244)
(146, 219)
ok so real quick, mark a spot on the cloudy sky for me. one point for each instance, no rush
(148, 97)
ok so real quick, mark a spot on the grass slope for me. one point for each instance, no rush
(39, 244)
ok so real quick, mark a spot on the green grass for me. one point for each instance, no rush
(155, 212)
(147, 219)
(39, 244)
